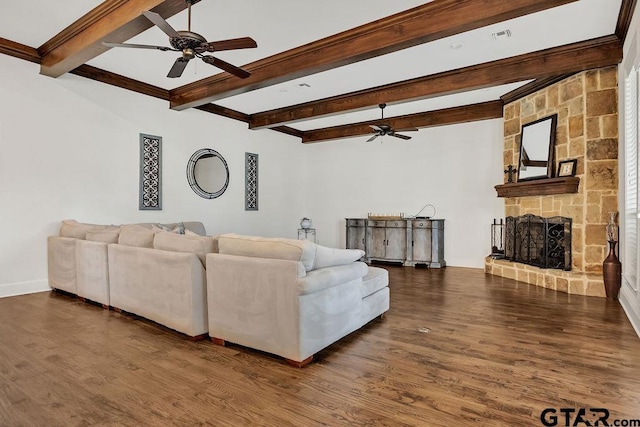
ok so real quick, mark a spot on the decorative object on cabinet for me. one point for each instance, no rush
(150, 172)
(510, 171)
(251, 182)
(305, 223)
(567, 167)
(307, 234)
(408, 241)
(611, 267)
(385, 217)
(207, 173)
(536, 149)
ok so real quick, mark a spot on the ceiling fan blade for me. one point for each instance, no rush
(161, 23)
(223, 65)
(376, 128)
(408, 130)
(178, 67)
(231, 44)
(138, 46)
(373, 137)
(397, 135)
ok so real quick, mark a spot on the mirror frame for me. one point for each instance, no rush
(551, 143)
(191, 175)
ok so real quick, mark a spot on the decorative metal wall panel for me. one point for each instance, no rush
(251, 181)
(150, 172)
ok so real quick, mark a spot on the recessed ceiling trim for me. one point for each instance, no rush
(19, 50)
(596, 53)
(624, 18)
(446, 116)
(532, 87)
(422, 24)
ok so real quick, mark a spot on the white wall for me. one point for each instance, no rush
(69, 148)
(453, 168)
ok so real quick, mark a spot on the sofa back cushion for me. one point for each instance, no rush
(189, 243)
(104, 236)
(268, 247)
(77, 230)
(136, 235)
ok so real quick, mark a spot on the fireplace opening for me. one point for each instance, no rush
(538, 241)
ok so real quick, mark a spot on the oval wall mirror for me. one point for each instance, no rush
(208, 173)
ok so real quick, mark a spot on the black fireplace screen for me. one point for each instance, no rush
(538, 241)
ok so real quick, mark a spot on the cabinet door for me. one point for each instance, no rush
(396, 243)
(355, 238)
(421, 244)
(377, 243)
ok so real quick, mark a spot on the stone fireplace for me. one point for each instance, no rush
(587, 130)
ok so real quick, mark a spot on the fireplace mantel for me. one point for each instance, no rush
(539, 187)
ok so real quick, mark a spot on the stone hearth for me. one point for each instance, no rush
(587, 130)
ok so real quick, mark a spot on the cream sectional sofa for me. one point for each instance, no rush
(138, 268)
(291, 298)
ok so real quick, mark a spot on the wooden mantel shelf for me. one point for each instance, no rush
(539, 187)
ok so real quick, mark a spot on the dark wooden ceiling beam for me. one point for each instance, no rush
(113, 79)
(624, 18)
(532, 87)
(19, 50)
(446, 116)
(422, 24)
(600, 52)
(113, 20)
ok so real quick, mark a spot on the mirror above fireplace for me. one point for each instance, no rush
(537, 146)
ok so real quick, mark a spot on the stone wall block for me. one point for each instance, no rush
(570, 90)
(594, 255)
(509, 112)
(595, 289)
(511, 127)
(576, 126)
(591, 78)
(527, 109)
(609, 204)
(594, 234)
(610, 126)
(602, 175)
(576, 107)
(562, 134)
(593, 128)
(576, 287)
(562, 151)
(602, 149)
(608, 77)
(552, 97)
(594, 268)
(541, 104)
(602, 103)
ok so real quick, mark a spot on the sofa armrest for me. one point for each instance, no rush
(328, 277)
(61, 263)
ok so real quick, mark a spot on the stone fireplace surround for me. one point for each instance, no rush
(587, 130)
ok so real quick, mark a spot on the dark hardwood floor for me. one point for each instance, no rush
(457, 348)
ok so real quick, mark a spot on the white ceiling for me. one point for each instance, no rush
(279, 25)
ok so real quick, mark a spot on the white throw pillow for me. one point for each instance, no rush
(77, 230)
(104, 236)
(329, 257)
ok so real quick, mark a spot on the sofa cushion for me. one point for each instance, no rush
(268, 247)
(136, 235)
(104, 236)
(76, 230)
(376, 279)
(192, 243)
(329, 257)
(329, 277)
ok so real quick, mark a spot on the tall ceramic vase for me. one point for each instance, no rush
(611, 267)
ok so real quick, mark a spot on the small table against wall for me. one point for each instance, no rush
(307, 234)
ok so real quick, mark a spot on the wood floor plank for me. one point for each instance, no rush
(457, 347)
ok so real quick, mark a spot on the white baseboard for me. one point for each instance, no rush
(628, 301)
(22, 288)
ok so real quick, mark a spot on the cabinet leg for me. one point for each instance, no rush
(218, 341)
(301, 364)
